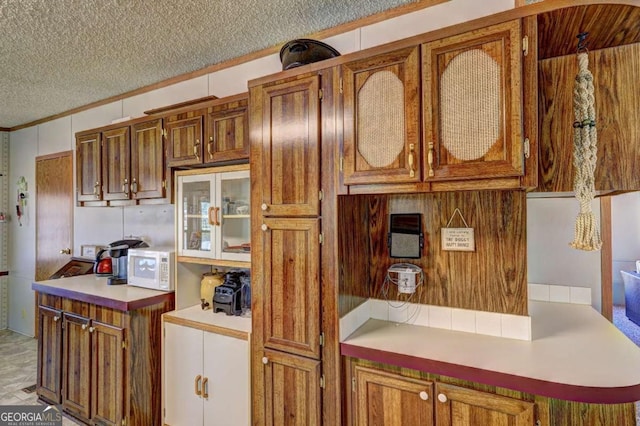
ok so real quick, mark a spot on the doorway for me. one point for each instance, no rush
(54, 212)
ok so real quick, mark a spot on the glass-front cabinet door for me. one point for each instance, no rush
(213, 213)
(234, 238)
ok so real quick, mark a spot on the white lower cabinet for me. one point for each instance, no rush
(206, 378)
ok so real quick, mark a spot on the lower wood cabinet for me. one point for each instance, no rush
(49, 354)
(206, 378)
(385, 398)
(100, 363)
(382, 398)
(456, 405)
(93, 374)
(292, 389)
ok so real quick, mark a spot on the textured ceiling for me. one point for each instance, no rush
(56, 55)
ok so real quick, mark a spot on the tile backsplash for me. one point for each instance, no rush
(466, 320)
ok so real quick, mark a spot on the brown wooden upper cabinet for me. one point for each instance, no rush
(148, 169)
(289, 151)
(121, 165)
(472, 102)
(89, 167)
(227, 132)
(133, 162)
(382, 118)
(116, 180)
(214, 133)
(184, 138)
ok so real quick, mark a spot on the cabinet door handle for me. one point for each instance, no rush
(213, 214)
(56, 318)
(197, 389)
(210, 216)
(264, 207)
(442, 397)
(195, 149)
(410, 160)
(265, 360)
(134, 186)
(424, 395)
(205, 388)
(96, 190)
(209, 147)
(125, 186)
(430, 159)
(264, 227)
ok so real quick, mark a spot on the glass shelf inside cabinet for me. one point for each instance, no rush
(236, 224)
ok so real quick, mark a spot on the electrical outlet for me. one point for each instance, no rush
(406, 282)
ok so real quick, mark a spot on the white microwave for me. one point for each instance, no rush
(151, 268)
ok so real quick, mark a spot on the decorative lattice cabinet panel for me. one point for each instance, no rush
(472, 102)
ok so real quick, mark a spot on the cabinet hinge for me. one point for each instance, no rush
(320, 195)
(124, 422)
(321, 238)
(322, 339)
(353, 384)
(525, 45)
(320, 94)
(164, 184)
(124, 345)
(164, 132)
(341, 87)
(526, 148)
(341, 166)
(322, 381)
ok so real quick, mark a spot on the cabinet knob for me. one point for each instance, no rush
(84, 326)
(56, 318)
(264, 207)
(424, 396)
(265, 360)
(264, 227)
(442, 397)
(65, 251)
(92, 329)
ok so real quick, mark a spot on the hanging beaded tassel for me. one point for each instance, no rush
(587, 232)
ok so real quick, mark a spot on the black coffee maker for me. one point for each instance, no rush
(117, 251)
(233, 296)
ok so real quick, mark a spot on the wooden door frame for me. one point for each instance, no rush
(606, 258)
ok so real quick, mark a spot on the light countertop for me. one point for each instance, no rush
(93, 289)
(575, 354)
(219, 322)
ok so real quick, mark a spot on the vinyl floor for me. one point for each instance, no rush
(18, 355)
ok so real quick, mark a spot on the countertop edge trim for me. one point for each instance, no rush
(102, 301)
(563, 391)
(205, 327)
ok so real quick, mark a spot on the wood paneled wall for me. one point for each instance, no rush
(616, 72)
(492, 278)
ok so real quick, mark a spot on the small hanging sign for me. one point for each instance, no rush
(457, 239)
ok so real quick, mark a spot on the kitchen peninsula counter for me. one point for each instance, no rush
(95, 290)
(575, 354)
